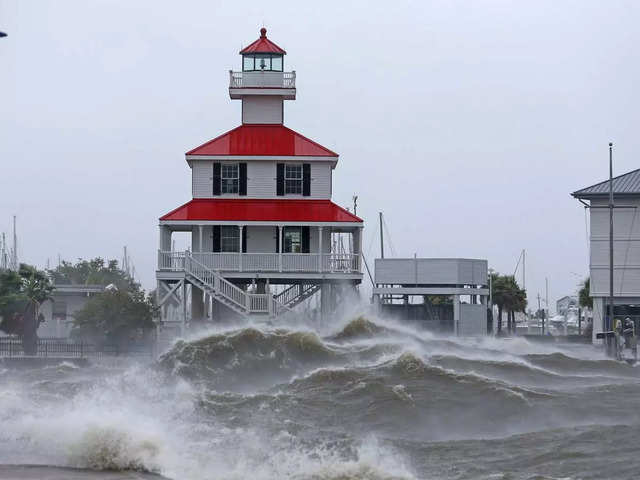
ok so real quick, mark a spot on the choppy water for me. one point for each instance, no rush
(368, 399)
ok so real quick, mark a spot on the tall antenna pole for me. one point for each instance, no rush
(609, 317)
(546, 296)
(524, 269)
(3, 253)
(15, 245)
(381, 237)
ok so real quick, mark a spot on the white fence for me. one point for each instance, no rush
(262, 79)
(265, 262)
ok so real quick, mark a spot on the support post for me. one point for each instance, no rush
(241, 228)
(280, 247)
(320, 253)
(200, 248)
(325, 301)
(456, 314)
(184, 308)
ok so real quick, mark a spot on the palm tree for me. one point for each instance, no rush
(498, 292)
(585, 300)
(515, 300)
(509, 297)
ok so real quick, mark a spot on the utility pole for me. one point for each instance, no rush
(546, 295)
(381, 237)
(609, 316)
(493, 323)
(15, 246)
(542, 313)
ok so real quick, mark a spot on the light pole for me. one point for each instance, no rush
(493, 323)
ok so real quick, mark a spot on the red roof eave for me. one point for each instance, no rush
(263, 45)
(266, 210)
(262, 140)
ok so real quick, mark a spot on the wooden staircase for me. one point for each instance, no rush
(228, 294)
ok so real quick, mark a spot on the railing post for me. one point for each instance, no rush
(280, 248)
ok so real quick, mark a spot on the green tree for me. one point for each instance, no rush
(498, 292)
(583, 295)
(21, 294)
(115, 317)
(93, 272)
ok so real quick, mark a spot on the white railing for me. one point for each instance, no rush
(219, 261)
(215, 282)
(340, 262)
(265, 262)
(290, 293)
(262, 79)
(243, 301)
(260, 262)
(172, 261)
(259, 302)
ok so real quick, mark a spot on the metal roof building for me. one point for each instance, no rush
(626, 184)
(626, 247)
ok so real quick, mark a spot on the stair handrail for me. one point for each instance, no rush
(214, 280)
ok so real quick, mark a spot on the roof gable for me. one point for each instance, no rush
(625, 184)
(263, 45)
(262, 140)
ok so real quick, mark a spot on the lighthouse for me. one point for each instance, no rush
(265, 235)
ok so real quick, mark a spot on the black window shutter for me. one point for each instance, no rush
(243, 180)
(280, 179)
(305, 239)
(306, 179)
(216, 180)
(278, 240)
(244, 236)
(216, 238)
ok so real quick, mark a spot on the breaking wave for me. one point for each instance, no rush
(371, 400)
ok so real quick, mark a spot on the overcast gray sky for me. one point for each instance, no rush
(467, 123)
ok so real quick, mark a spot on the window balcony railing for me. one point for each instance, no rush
(262, 79)
(265, 262)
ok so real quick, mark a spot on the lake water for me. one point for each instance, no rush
(362, 399)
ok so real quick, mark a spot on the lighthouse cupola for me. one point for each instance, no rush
(263, 55)
(262, 84)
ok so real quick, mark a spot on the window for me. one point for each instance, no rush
(276, 63)
(292, 240)
(293, 179)
(229, 239)
(265, 62)
(229, 178)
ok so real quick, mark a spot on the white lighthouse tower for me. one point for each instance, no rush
(263, 227)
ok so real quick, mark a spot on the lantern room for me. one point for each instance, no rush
(262, 72)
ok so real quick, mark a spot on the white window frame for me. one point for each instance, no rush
(288, 179)
(291, 230)
(236, 178)
(232, 233)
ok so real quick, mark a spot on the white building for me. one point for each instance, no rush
(59, 312)
(404, 286)
(261, 214)
(626, 247)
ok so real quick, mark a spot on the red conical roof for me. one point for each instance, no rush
(263, 45)
(262, 140)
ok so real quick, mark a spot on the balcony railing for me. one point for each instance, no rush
(265, 262)
(261, 79)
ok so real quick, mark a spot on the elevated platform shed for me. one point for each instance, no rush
(448, 294)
